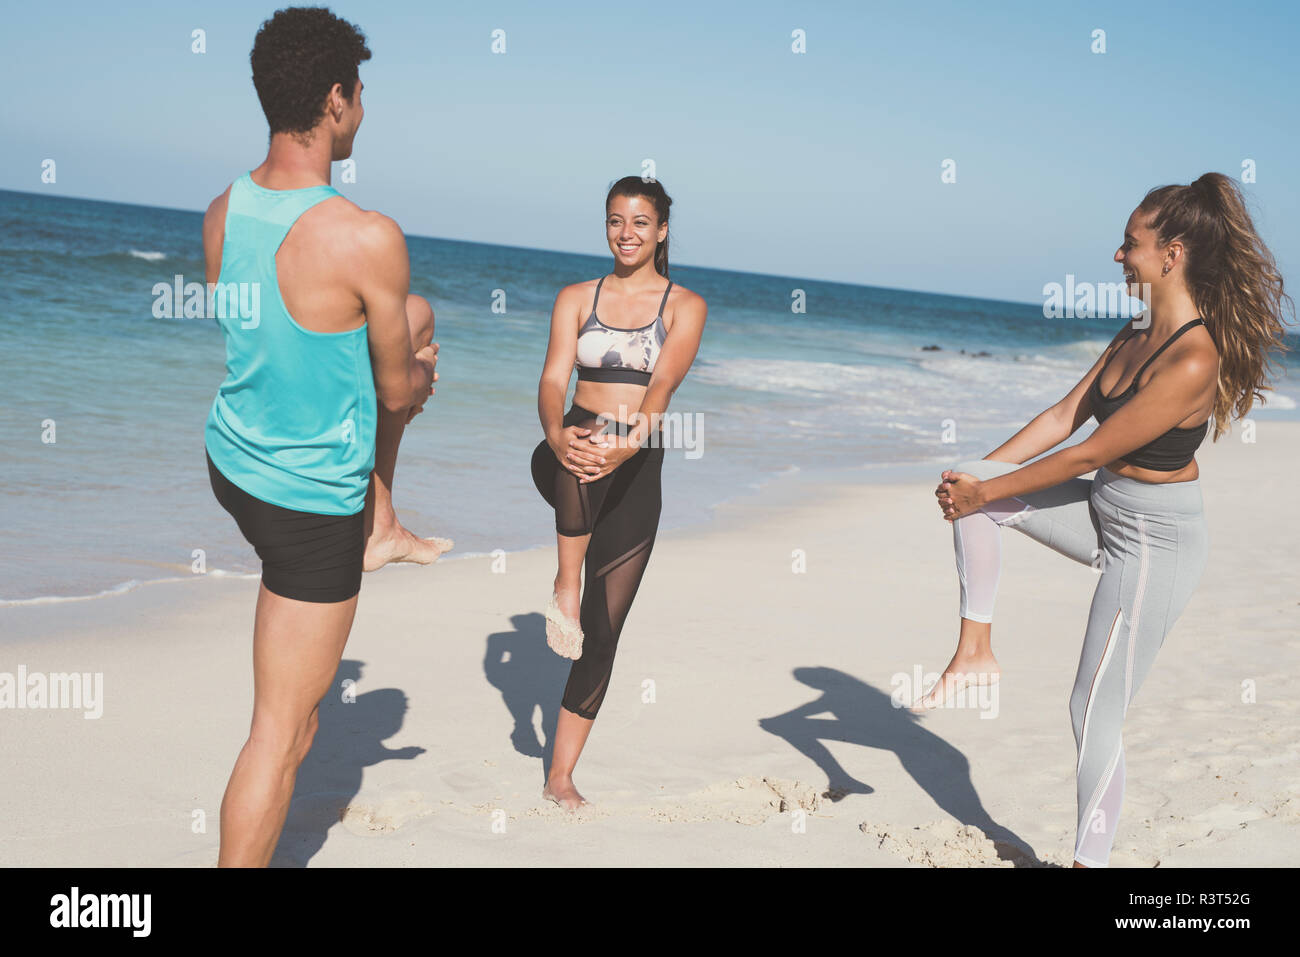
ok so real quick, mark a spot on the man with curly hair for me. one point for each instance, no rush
(322, 378)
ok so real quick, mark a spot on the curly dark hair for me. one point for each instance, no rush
(298, 56)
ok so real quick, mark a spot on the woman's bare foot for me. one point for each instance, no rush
(563, 627)
(967, 668)
(562, 792)
(396, 544)
(569, 598)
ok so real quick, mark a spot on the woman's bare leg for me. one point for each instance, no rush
(570, 737)
(572, 551)
(616, 550)
(1059, 516)
(977, 541)
(578, 506)
(297, 646)
(972, 664)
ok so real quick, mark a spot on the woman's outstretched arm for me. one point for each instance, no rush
(561, 354)
(1053, 426)
(674, 361)
(1166, 399)
(675, 358)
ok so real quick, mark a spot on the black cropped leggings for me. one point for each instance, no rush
(621, 514)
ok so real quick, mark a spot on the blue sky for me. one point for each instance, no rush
(823, 165)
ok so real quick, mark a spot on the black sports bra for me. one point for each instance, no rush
(1169, 452)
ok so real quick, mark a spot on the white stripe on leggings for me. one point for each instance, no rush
(1092, 805)
(1096, 679)
(1083, 737)
(1145, 551)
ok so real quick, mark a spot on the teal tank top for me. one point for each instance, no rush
(294, 421)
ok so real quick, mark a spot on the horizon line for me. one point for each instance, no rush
(565, 252)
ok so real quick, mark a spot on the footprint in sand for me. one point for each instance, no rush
(750, 801)
(1227, 816)
(1181, 772)
(387, 815)
(1205, 705)
(947, 844)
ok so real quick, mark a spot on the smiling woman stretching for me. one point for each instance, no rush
(1215, 311)
(605, 491)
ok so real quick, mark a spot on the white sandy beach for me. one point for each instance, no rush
(445, 658)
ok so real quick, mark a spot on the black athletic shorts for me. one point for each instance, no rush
(305, 555)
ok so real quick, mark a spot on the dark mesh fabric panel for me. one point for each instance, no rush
(621, 512)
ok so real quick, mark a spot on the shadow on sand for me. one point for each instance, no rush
(530, 676)
(857, 713)
(353, 728)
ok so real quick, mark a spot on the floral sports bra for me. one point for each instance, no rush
(609, 354)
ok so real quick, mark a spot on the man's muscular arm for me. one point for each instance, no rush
(214, 235)
(383, 280)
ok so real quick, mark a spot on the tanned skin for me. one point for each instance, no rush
(339, 268)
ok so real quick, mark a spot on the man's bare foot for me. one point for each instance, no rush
(563, 793)
(963, 671)
(396, 544)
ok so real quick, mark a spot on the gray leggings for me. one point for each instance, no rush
(1149, 543)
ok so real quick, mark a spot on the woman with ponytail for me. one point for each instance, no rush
(599, 463)
(1201, 351)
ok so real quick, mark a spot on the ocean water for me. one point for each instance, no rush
(121, 495)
